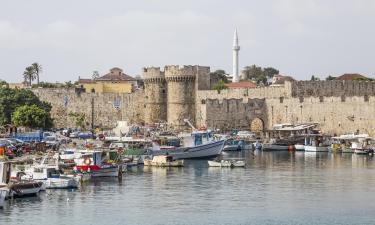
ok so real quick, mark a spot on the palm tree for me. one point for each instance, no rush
(29, 74)
(37, 70)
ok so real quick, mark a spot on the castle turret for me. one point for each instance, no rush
(181, 94)
(155, 95)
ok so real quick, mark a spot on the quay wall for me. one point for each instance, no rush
(106, 108)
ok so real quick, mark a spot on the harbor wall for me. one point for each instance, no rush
(105, 108)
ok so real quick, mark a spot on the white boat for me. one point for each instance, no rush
(3, 194)
(50, 175)
(222, 163)
(299, 147)
(275, 147)
(226, 163)
(238, 164)
(92, 162)
(17, 188)
(200, 144)
(353, 143)
(316, 143)
(164, 161)
(309, 148)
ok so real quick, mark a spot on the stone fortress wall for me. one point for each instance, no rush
(338, 106)
(106, 108)
(176, 93)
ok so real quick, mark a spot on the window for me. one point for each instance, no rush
(321, 99)
(281, 99)
(342, 98)
(366, 98)
(301, 99)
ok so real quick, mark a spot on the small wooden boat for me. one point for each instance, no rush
(164, 161)
(3, 194)
(25, 188)
(238, 164)
(222, 163)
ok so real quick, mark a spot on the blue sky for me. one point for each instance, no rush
(72, 38)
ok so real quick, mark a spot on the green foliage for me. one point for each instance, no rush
(11, 99)
(80, 119)
(364, 79)
(221, 75)
(32, 116)
(37, 68)
(259, 74)
(270, 72)
(29, 74)
(220, 86)
(330, 78)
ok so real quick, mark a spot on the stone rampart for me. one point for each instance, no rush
(106, 108)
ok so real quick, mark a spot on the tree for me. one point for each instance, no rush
(32, 116)
(221, 75)
(252, 72)
(29, 74)
(37, 70)
(269, 72)
(10, 99)
(261, 80)
(220, 86)
(330, 78)
(95, 75)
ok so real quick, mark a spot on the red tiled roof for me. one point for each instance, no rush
(241, 84)
(115, 74)
(84, 81)
(350, 76)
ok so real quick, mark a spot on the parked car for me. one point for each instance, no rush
(74, 134)
(51, 142)
(86, 135)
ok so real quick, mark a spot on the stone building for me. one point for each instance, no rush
(116, 81)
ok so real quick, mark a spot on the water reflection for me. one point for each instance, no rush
(274, 188)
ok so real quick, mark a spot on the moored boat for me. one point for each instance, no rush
(200, 144)
(164, 161)
(3, 194)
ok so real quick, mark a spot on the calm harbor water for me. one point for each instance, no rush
(275, 188)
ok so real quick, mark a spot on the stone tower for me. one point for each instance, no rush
(155, 95)
(181, 94)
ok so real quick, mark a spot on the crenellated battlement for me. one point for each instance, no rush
(152, 73)
(333, 88)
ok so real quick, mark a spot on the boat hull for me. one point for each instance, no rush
(201, 151)
(3, 194)
(273, 147)
(25, 189)
(316, 149)
(106, 172)
(60, 183)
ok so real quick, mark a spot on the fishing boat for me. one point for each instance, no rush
(17, 187)
(198, 144)
(96, 163)
(222, 163)
(3, 193)
(48, 172)
(238, 163)
(226, 163)
(316, 143)
(276, 145)
(164, 161)
(353, 143)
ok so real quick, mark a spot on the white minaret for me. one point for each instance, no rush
(236, 49)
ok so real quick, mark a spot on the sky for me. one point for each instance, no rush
(73, 38)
